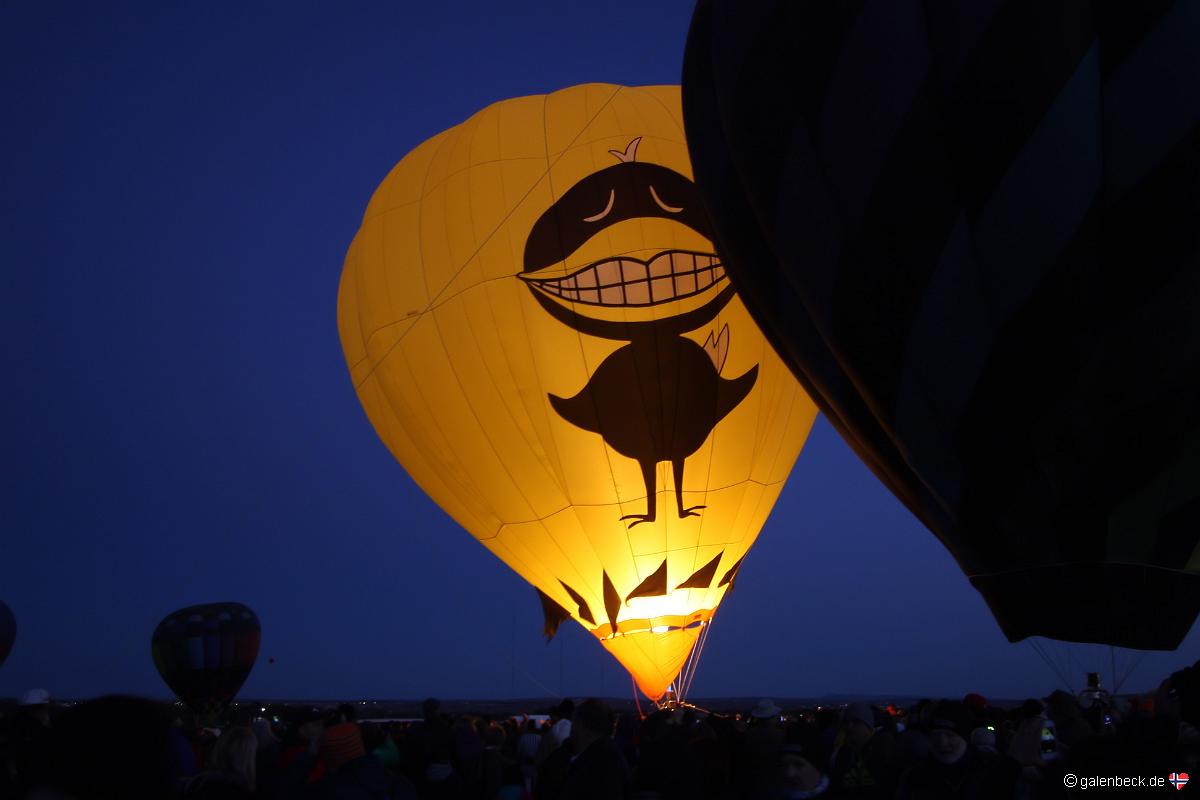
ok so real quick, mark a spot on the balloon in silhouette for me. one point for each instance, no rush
(971, 230)
(205, 652)
(8, 631)
(538, 328)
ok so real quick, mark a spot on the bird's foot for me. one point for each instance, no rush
(690, 512)
(638, 519)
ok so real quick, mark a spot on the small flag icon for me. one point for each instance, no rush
(1178, 779)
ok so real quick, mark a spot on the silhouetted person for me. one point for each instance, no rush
(797, 777)
(953, 769)
(526, 752)
(759, 750)
(268, 759)
(428, 753)
(595, 768)
(667, 766)
(351, 773)
(111, 748)
(865, 765)
(231, 774)
(29, 739)
(558, 731)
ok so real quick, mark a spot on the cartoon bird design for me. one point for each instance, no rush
(658, 397)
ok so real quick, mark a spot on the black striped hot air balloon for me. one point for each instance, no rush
(972, 231)
(205, 652)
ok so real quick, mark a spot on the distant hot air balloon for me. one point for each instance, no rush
(971, 230)
(8, 631)
(539, 330)
(205, 652)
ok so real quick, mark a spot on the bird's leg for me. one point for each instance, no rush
(651, 498)
(677, 468)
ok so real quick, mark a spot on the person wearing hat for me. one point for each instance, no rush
(953, 769)
(948, 733)
(231, 773)
(983, 739)
(755, 768)
(766, 710)
(799, 778)
(1071, 728)
(559, 730)
(589, 764)
(350, 772)
(30, 740)
(865, 762)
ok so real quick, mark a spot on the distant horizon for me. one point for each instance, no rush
(836, 698)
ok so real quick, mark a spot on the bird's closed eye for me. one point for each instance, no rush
(612, 195)
(662, 205)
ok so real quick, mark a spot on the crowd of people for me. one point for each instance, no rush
(124, 747)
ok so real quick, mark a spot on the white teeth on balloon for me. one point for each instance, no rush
(660, 267)
(637, 294)
(629, 282)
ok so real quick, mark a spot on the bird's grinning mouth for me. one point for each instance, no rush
(670, 275)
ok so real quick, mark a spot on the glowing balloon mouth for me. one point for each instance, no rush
(654, 625)
(671, 275)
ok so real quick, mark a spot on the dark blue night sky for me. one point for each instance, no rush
(180, 183)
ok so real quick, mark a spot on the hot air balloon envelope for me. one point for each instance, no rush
(205, 652)
(970, 228)
(540, 331)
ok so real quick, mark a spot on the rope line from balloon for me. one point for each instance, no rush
(1037, 648)
(689, 666)
(688, 674)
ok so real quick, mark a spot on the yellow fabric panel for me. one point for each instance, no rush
(405, 183)
(654, 659)
(532, 403)
(349, 317)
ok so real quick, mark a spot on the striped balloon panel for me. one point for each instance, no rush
(970, 229)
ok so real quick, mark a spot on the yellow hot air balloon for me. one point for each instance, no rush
(538, 328)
